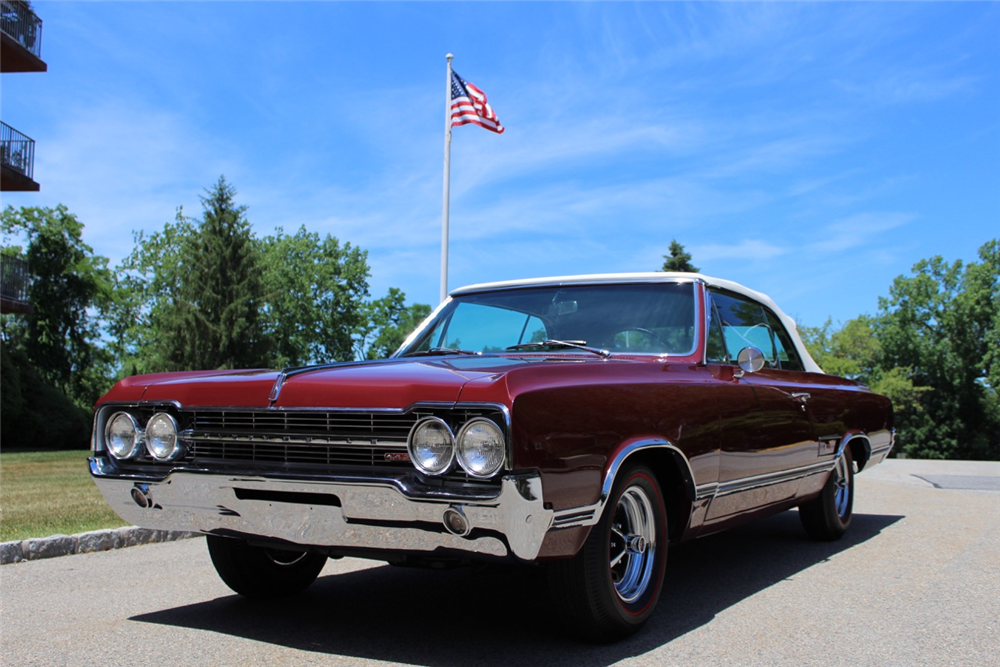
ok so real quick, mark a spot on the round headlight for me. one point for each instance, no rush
(431, 446)
(161, 437)
(481, 448)
(122, 436)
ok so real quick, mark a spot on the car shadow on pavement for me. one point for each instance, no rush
(502, 616)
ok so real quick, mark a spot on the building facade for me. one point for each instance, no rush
(20, 51)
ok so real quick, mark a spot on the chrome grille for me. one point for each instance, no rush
(287, 453)
(279, 439)
(346, 425)
(306, 438)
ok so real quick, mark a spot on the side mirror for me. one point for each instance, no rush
(750, 360)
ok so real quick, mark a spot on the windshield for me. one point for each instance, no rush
(641, 318)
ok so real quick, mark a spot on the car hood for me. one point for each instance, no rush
(392, 383)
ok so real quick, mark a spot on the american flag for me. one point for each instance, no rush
(469, 105)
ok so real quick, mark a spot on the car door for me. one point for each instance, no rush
(768, 439)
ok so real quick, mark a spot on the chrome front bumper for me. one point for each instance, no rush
(366, 514)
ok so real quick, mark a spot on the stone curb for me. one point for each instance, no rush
(95, 540)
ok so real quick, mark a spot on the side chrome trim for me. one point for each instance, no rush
(579, 516)
(713, 490)
(591, 514)
(706, 491)
(876, 454)
(770, 479)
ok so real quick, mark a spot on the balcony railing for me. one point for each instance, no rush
(14, 279)
(22, 25)
(17, 151)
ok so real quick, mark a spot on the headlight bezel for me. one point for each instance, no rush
(462, 452)
(176, 447)
(135, 448)
(447, 461)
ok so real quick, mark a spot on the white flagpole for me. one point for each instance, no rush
(447, 179)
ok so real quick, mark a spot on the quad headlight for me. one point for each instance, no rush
(481, 448)
(431, 446)
(123, 436)
(161, 437)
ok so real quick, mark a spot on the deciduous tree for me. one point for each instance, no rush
(145, 285)
(60, 337)
(387, 323)
(315, 293)
(934, 348)
(53, 364)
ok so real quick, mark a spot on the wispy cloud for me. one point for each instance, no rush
(907, 86)
(857, 230)
(748, 250)
(122, 165)
(763, 137)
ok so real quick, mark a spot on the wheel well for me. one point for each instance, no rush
(673, 474)
(861, 450)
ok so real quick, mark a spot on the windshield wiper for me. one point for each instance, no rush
(574, 344)
(439, 350)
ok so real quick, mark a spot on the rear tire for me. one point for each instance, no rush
(827, 517)
(610, 588)
(257, 572)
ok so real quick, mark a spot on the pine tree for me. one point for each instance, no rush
(214, 321)
(678, 259)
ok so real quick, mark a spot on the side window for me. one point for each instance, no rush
(716, 351)
(744, 324)
(787, 355)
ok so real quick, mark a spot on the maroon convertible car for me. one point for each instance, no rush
(580, 424)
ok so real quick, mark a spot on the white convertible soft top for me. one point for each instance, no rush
(658, 276)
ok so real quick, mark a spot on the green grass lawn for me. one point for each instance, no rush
(48, 493)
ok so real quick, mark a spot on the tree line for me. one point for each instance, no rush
(202, 293)
(933, 347)
(208, 293)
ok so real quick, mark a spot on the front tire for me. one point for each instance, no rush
(610, 588)
(257, 572)
(827, 517)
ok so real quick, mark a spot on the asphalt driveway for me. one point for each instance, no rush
(916, 581)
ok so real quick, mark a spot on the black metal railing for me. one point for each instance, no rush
(22, 25)
(17, 151)
(14, 278)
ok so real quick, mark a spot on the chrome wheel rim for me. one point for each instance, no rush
(633, 544)
(842, 494)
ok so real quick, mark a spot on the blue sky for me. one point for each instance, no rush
(811, 151)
